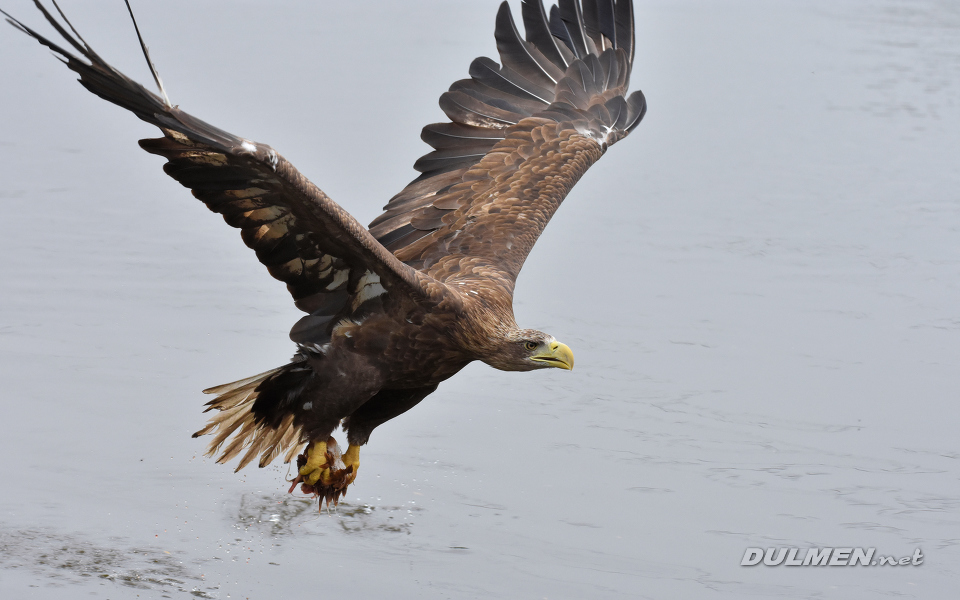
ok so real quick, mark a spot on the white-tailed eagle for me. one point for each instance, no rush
(397, 308)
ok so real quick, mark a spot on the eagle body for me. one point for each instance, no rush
(394, 309)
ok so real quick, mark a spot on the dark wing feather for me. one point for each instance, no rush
(572, 15)
(591, 22)
(515, 86)
(522, 136)
(306, 240)
(623, 17)
(537, 30)
(520, 56)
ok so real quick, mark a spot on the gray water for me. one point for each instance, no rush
(760, 286)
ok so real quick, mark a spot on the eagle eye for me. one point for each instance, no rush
(530, 345)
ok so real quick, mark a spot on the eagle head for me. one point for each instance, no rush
(527, 350)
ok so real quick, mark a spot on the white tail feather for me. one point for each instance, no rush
(233, 417)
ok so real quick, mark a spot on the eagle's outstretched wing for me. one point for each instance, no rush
(521, 135)
(329, 261)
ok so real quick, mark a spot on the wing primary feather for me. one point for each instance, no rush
(86, 51)
(519, 55)
(146, 53)
(638, 108)
(569, 13)
(591, 22)
(606, 22)
(72, 28)
(507, 80)
(498, 98)
(625, 29)
(559, 30)
(537, 30)
(572, 15)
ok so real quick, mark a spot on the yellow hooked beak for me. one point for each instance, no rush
(556, 355)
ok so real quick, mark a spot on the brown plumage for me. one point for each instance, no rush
(396, 309)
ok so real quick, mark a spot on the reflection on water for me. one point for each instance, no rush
(63, 559)
(279, 517)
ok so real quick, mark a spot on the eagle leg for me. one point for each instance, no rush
(351, 460)
(324, 472)
(318, 462)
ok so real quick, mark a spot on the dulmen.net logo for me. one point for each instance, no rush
(825, 557)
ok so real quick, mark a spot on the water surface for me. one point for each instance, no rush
(760, 285)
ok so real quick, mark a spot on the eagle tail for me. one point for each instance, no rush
(252, 435)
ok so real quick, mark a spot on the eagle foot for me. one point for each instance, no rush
(324, 472)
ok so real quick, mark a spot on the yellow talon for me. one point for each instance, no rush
(351, 458)
(316, 467)
(325, 472)
(322, 475)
